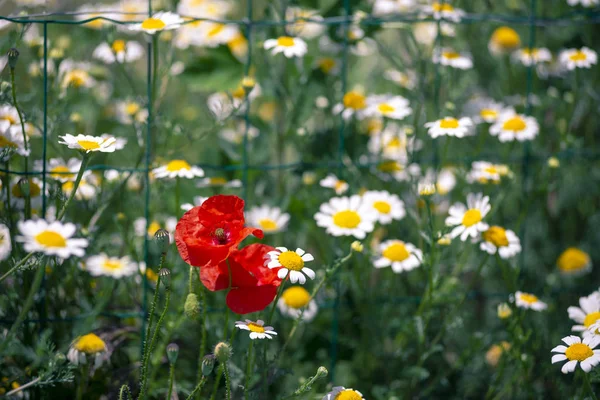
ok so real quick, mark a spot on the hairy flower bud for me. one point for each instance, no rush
(163, 240)
(223, 352)
(191, 306)
(172, 352)
(13, 57)
(208, 364)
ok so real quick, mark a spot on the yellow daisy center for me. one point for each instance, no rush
(132, 108)
(90, 344)
(591, 318)
(488, 113)
(346, 219)
(578, 56)
(579, 352)
(449, 123)
(451, 55)
(68, 186)
(296, 297)
(9, 118)
(573, 259)
(396, 252)
(34, 190)
(390, 166)
(382, 206)
(530, 52)
(118, 46)
(218, 181)
(76, 78)
(178, 165)
(506, 38)
(51, 239)
(348, 394)
(256, 328)
(326, 65)
(267, 224)
(439, 7)
(61, 172)
(395, 142)
(492, 170)
(339, 185)
(218, 28)
(285, 41)
(471, 217)
(151, 275)
(514, 124)
(354, 100)
(385, 108)
(529, 298)
(496, 235)
(4, 142)
(291, 260)
(88, 144)
(112, 264)
(153, 24)
(154, 226)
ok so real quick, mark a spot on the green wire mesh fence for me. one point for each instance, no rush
(249, 25)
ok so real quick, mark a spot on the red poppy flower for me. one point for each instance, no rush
(206, 235)
(253, 285)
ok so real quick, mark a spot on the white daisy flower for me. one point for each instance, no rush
(354, 103)
(401, 256)
(177, 169)
(445, 182)
(215, 9)
(120, 51)
(468, 221)
(586, 315)
(307, 23)
(257, 329)
(407, 79)
(236, 135)
(347, 216)
(60, 170)
(332, 181)
(128, 111)
(393, 143)
(76, 75)
(388, 106)
(161, 21)
(214, 34)
(91, 11)
(578, 58)
(12, 139)
(486, 172)
(574, 261)
(449, 126)
(341, 393)
(486, 110)
(87, 189)
(85, 346)
(386, 7)
(291, 262)
(528, 57)
(577, 351)
(5, 243)
(198, 200)
(444, 10)
(529, 301)
(398, 170)
(9, 114)
(295, 301)
(89, 143)
(584, 3)
(139, 226)
(114, 267)
(269, 219)
(120, 142)
(503, 241)
(426, 33)
(387, 206)
(219, 181)
(52, 239)
(452, 58)
(35, 193)
(511, 126)
(289, 46)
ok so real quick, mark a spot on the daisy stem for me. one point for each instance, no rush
(588, 386)
(85, 373)
(248, 369)
(197, 388)
(16, 267)
(25, 145)
(84, 162)
(177, 196)
(171, 378)
(276, 299)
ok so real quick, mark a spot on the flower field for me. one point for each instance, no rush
(311, 199)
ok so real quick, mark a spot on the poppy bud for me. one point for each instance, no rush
(191, 306)
(223, 352)
(13, 57)
(172, 353)
(163, 240)
(24, 186)
(208, 364)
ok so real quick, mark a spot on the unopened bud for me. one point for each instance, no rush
(223, 352)
(504, 311)
(248, 83)
(172, 352)
(163, 240)
(357, 246)
(13, 57)
(208, 364)
(191, 306)
(322, 371)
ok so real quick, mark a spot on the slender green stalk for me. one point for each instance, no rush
(16, 267)
(171, 379)
(197, 388)
(227, 382)
(85, 373)
(279, 292)
(177, 196)
(11, 223)
(84, 162)
(25, 145)
(248, 369)
(125, 390)
(217, 381)
(588, 385)
(202, 349)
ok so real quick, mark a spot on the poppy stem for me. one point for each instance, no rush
(227, 381)
(197, 388)
(276, 299)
